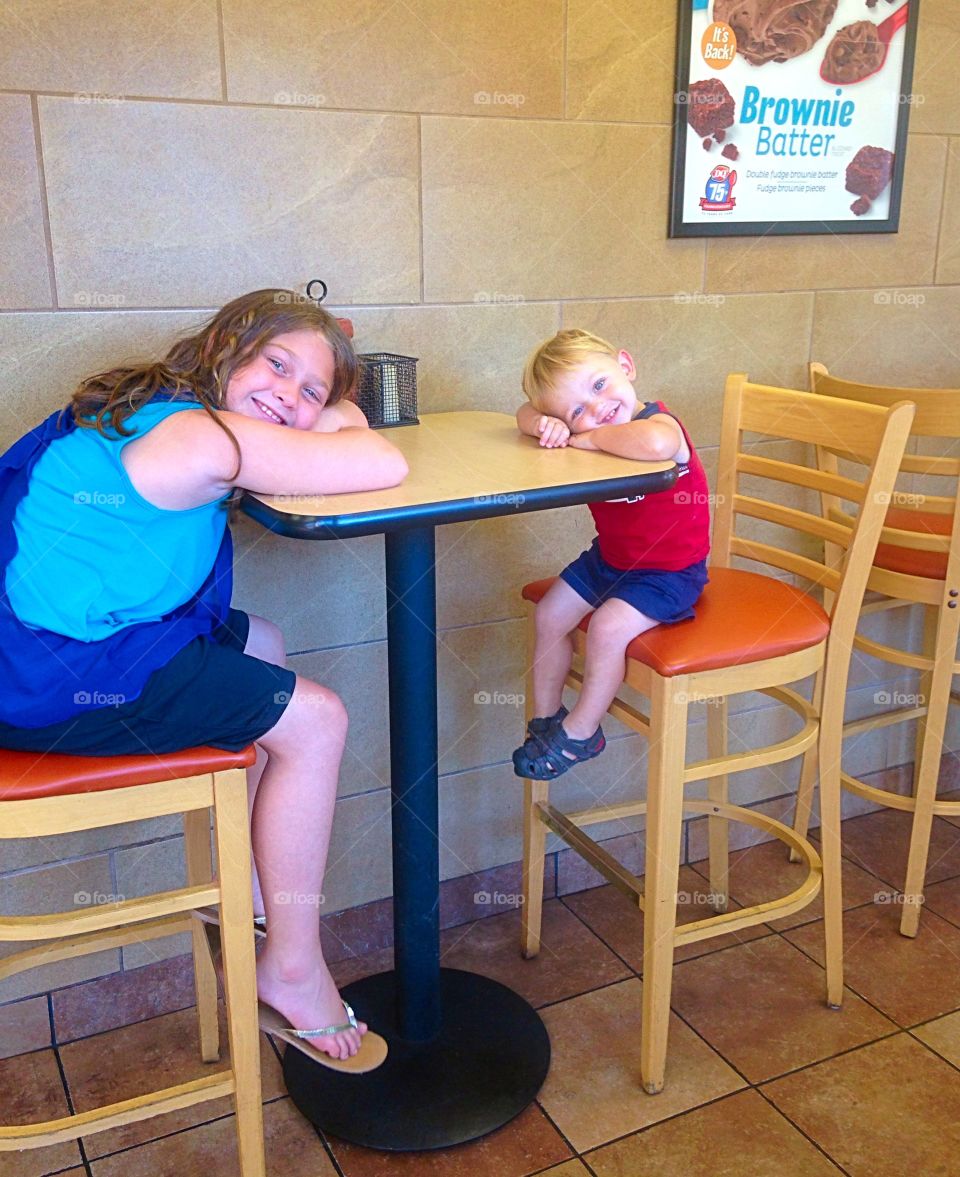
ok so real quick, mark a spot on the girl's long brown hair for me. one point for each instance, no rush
(199, 367)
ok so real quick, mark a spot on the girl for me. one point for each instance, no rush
(116, 634)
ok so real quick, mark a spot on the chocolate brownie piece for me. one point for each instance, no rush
(708, 145)
(719, 136)
(710, 107)
(730, 151)
(860, 206)
(869, 172)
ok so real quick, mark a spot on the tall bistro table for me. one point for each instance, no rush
(467, 1054)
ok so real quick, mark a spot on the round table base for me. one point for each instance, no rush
(484, 1067)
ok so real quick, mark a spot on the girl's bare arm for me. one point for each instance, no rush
(188, 459)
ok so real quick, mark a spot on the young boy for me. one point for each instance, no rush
(647, 565)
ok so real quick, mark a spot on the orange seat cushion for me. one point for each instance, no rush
(741, 617)
(932, 565)
(26, 775)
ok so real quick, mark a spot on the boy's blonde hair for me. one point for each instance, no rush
(566, 351)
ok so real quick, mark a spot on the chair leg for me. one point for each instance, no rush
(931, 616)
(239, 963)
(934, 724)
(534, 851)
(829, 755)
(718, 827)
(196, 831)
(667, 753)
(808, 776)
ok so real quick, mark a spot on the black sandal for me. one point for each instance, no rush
(550, 753)
(538, 725)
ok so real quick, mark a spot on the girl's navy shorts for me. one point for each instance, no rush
(665, 596)
(209, 693)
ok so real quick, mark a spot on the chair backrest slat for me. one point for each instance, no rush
(937, 417)
(788, 472)
(834, 553)
(837, 532)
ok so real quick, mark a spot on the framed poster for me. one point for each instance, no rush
(791, 116)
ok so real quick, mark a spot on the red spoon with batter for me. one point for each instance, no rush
(854, 58)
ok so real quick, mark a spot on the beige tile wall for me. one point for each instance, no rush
(467, 177)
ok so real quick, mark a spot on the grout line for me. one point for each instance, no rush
(943, 212)
(44, 203)
(815, 1143)
(221, 45)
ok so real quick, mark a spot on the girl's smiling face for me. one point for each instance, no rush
(288, 382)
(598, 392)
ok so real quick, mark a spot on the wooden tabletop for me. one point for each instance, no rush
(463, 465)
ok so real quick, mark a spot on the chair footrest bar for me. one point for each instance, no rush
(598, 858)
(108, 915)
(716, 925)
(127, 1111)
(98, 941)
(895, 800)
(884, 719)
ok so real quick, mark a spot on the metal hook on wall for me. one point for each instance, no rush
(318, 298)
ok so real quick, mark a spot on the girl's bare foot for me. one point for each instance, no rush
(306, 995)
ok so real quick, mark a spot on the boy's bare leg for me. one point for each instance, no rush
(557, 615)
(614, 625)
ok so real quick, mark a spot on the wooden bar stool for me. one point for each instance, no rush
(917, 563)
(44, 794)
(752, 632)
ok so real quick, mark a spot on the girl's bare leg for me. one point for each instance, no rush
(264, 641)
(614, 625)
(557, 615)
(292, 818)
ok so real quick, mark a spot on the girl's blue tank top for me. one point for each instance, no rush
(93, 556)
(47, 675)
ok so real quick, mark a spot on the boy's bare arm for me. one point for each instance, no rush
(655, 439)
(551, 431)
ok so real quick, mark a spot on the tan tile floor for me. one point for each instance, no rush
(762, 1079)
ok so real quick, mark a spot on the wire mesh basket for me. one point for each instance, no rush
(387, 392)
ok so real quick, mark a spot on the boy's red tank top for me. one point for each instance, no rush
(668, 530)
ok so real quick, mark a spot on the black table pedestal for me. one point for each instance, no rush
(485, 1065)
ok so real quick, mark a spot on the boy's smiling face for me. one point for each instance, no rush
(598, 392)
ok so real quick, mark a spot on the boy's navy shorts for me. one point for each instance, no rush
(665, 596)
(208, 693)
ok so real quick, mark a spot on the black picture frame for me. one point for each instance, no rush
(678, 227)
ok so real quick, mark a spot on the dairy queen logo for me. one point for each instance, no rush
(719, 187)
